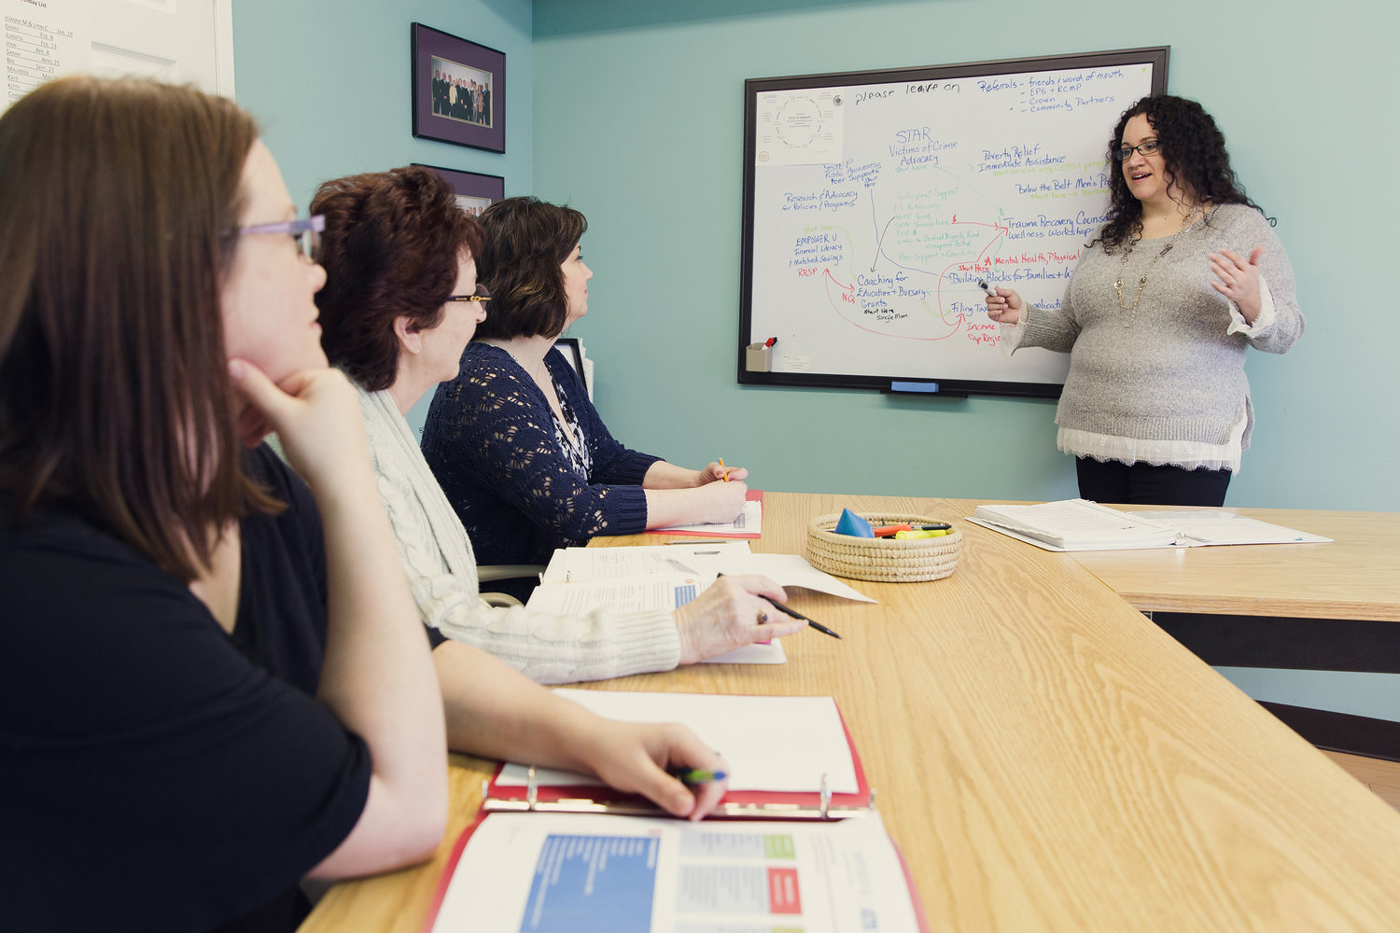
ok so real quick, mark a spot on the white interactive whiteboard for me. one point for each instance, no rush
(875, 201)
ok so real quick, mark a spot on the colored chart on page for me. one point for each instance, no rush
(586, 883)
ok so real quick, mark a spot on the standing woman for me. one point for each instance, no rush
(213, 681)
(514, 441)
(1185, 274)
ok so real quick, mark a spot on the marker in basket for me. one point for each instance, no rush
(889, 531)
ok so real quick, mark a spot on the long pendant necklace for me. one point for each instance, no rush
(1186, 224)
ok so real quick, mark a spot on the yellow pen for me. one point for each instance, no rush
(906, 535)
(726, 472)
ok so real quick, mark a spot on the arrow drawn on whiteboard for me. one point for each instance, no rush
(849, 288)
(880, 242)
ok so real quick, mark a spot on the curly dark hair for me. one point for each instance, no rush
(391, 247)
(527, 241)
(1193, 149)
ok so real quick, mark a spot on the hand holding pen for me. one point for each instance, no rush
(789, 611)
(1003, 304)
(718, 472)
(665, 762)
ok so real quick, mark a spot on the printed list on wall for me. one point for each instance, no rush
(875, 209)
(43, 39)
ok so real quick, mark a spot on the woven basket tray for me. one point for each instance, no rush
(883, 560)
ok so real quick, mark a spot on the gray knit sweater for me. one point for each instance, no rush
(1168, 370)
(437, 556)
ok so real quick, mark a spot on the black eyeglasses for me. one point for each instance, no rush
(1125, 153)
(481, 295)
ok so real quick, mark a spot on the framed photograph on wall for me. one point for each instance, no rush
(459, 90)
(475, 192)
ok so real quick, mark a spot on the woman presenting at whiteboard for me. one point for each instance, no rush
(1184, 275)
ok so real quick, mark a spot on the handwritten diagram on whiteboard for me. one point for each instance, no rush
(874, 206)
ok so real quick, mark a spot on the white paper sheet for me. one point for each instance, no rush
(749, 523)
(549, 872)
(578, 564)
(43, 41)
(1207, 527)
(732, 558)
(661, 592)
(770, 743)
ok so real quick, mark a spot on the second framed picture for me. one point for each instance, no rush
(475, 192)
(459, 90)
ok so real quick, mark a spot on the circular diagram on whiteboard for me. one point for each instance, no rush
(798, 122)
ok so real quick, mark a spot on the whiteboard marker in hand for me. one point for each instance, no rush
(987, 287)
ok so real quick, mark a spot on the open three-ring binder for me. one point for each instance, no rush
(795, 843)
(742, 805)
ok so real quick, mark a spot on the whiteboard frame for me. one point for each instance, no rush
(1156, 57)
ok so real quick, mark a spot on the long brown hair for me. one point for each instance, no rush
(120, 202)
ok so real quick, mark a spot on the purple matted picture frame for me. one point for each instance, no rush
(459, 90)
(475, 192)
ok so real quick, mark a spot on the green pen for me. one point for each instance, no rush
(697, 775)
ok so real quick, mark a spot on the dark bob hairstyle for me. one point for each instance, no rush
(121, 203)
(527, 240)
(391, 247)
(1193, 149)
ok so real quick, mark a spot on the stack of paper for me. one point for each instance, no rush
(704, 561)
(1081, 525)
(579, 580)
(1076, 525)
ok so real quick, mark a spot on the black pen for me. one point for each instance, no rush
(797, 615)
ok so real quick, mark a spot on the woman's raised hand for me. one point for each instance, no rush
(1238, 280)
(1005, 308)
(732, 614)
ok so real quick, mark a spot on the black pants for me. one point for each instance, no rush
(1144, 484)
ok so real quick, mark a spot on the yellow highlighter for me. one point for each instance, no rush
(907, 535)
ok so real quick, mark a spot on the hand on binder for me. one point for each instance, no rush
(638, 758)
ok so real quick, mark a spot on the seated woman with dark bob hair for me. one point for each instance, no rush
(517, 446)
(400, 303)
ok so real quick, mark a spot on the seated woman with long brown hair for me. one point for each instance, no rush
(212, 677)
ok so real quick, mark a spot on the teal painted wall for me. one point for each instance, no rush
(329, 81)
(632, 110)
(639, 124)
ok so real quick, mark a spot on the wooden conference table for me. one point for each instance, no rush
(1045, 757)
(1328, 607)
(1356, 577)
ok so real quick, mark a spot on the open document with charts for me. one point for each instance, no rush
(796, 843)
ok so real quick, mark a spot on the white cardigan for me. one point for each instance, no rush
(437, 556)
